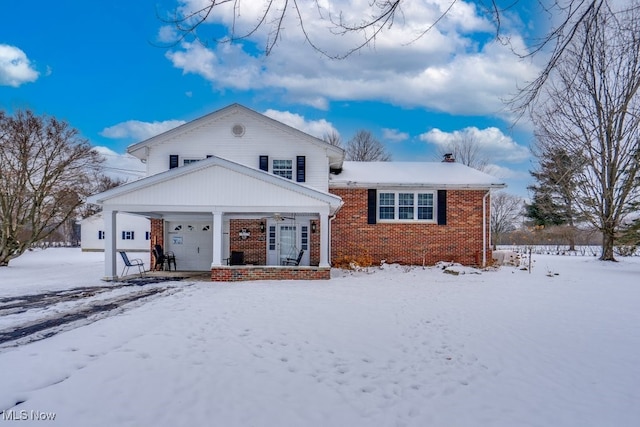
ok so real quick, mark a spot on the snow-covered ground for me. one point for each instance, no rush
(393, 346)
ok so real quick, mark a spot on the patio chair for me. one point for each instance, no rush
(136, 262)
(294, 261)
(163, 258)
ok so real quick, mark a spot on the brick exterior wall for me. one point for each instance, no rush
(243, 273)
(157, 238)
(254, 246)
(460, 240)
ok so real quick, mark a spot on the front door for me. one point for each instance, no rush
(192, 244)
(286, 239)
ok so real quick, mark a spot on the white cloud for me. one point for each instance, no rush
(449, 69)
(121, 166)
(15, 67)
(394, 135)
(493, 143)
(139, 130)
(167, 34)
(317, 128)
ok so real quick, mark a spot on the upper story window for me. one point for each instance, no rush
(405, 206)
(128, 235)
(189, 161)
(283, 168)
(100, 235)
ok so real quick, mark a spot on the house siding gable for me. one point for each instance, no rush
(216, 186)
(259, 138)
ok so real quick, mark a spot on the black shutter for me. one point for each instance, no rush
(133, 237)
(264, 163)
(123, 235)
(372, 203)
(442, 207)
(301, 169)
(173, 161)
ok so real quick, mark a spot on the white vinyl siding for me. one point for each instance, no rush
(260, 138)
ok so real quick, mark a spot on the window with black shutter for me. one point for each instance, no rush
(372, 196)
(264, 163)
(442, 207)
(301, 172)
(173, 161)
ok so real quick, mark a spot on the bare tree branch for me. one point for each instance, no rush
(46, 172)
(363, 147)
(592, 112)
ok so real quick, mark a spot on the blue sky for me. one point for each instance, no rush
(105, 68)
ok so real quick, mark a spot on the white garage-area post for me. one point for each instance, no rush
(110, 265)
(324, 239)
(217, 239)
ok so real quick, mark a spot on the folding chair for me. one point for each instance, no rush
(136, 262)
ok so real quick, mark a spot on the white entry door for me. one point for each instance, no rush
(192, 243)
(286, 239)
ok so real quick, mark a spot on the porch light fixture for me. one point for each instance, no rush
(314, 227)
(262, 226)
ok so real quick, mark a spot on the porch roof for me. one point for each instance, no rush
(216, 184)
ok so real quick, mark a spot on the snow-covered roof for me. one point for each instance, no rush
(413, 174)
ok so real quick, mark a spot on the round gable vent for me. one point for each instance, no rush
(238, 130)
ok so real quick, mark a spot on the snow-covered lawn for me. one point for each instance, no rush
(390, 347)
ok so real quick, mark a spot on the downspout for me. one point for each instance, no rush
(484, 229)
(331, 218)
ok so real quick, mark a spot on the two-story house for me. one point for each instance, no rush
(236, 187)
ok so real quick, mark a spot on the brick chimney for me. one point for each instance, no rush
(448, 158)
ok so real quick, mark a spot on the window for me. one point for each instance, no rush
(406, 206)
(272, 237)
(387, 206)
(304, 232)
(127, 235)
(283, 168)
(100, 235)
(425, 206)
(189, 161)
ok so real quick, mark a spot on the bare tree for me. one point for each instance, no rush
(466, 150)
(363, 147)
(506, 210)
(564, 18)
(592, 112)
(46, 171)
(333, 138)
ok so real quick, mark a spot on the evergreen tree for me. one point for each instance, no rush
(554, 193)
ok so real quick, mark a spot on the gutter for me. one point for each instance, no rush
(484, 229)
(383, 185)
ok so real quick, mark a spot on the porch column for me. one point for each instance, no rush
(217, 239)
(324, 239)
(110, 265)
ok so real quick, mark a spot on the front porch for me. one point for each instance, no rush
(254, 247)
(206, 211)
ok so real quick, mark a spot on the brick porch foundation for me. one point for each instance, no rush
(251, 272)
